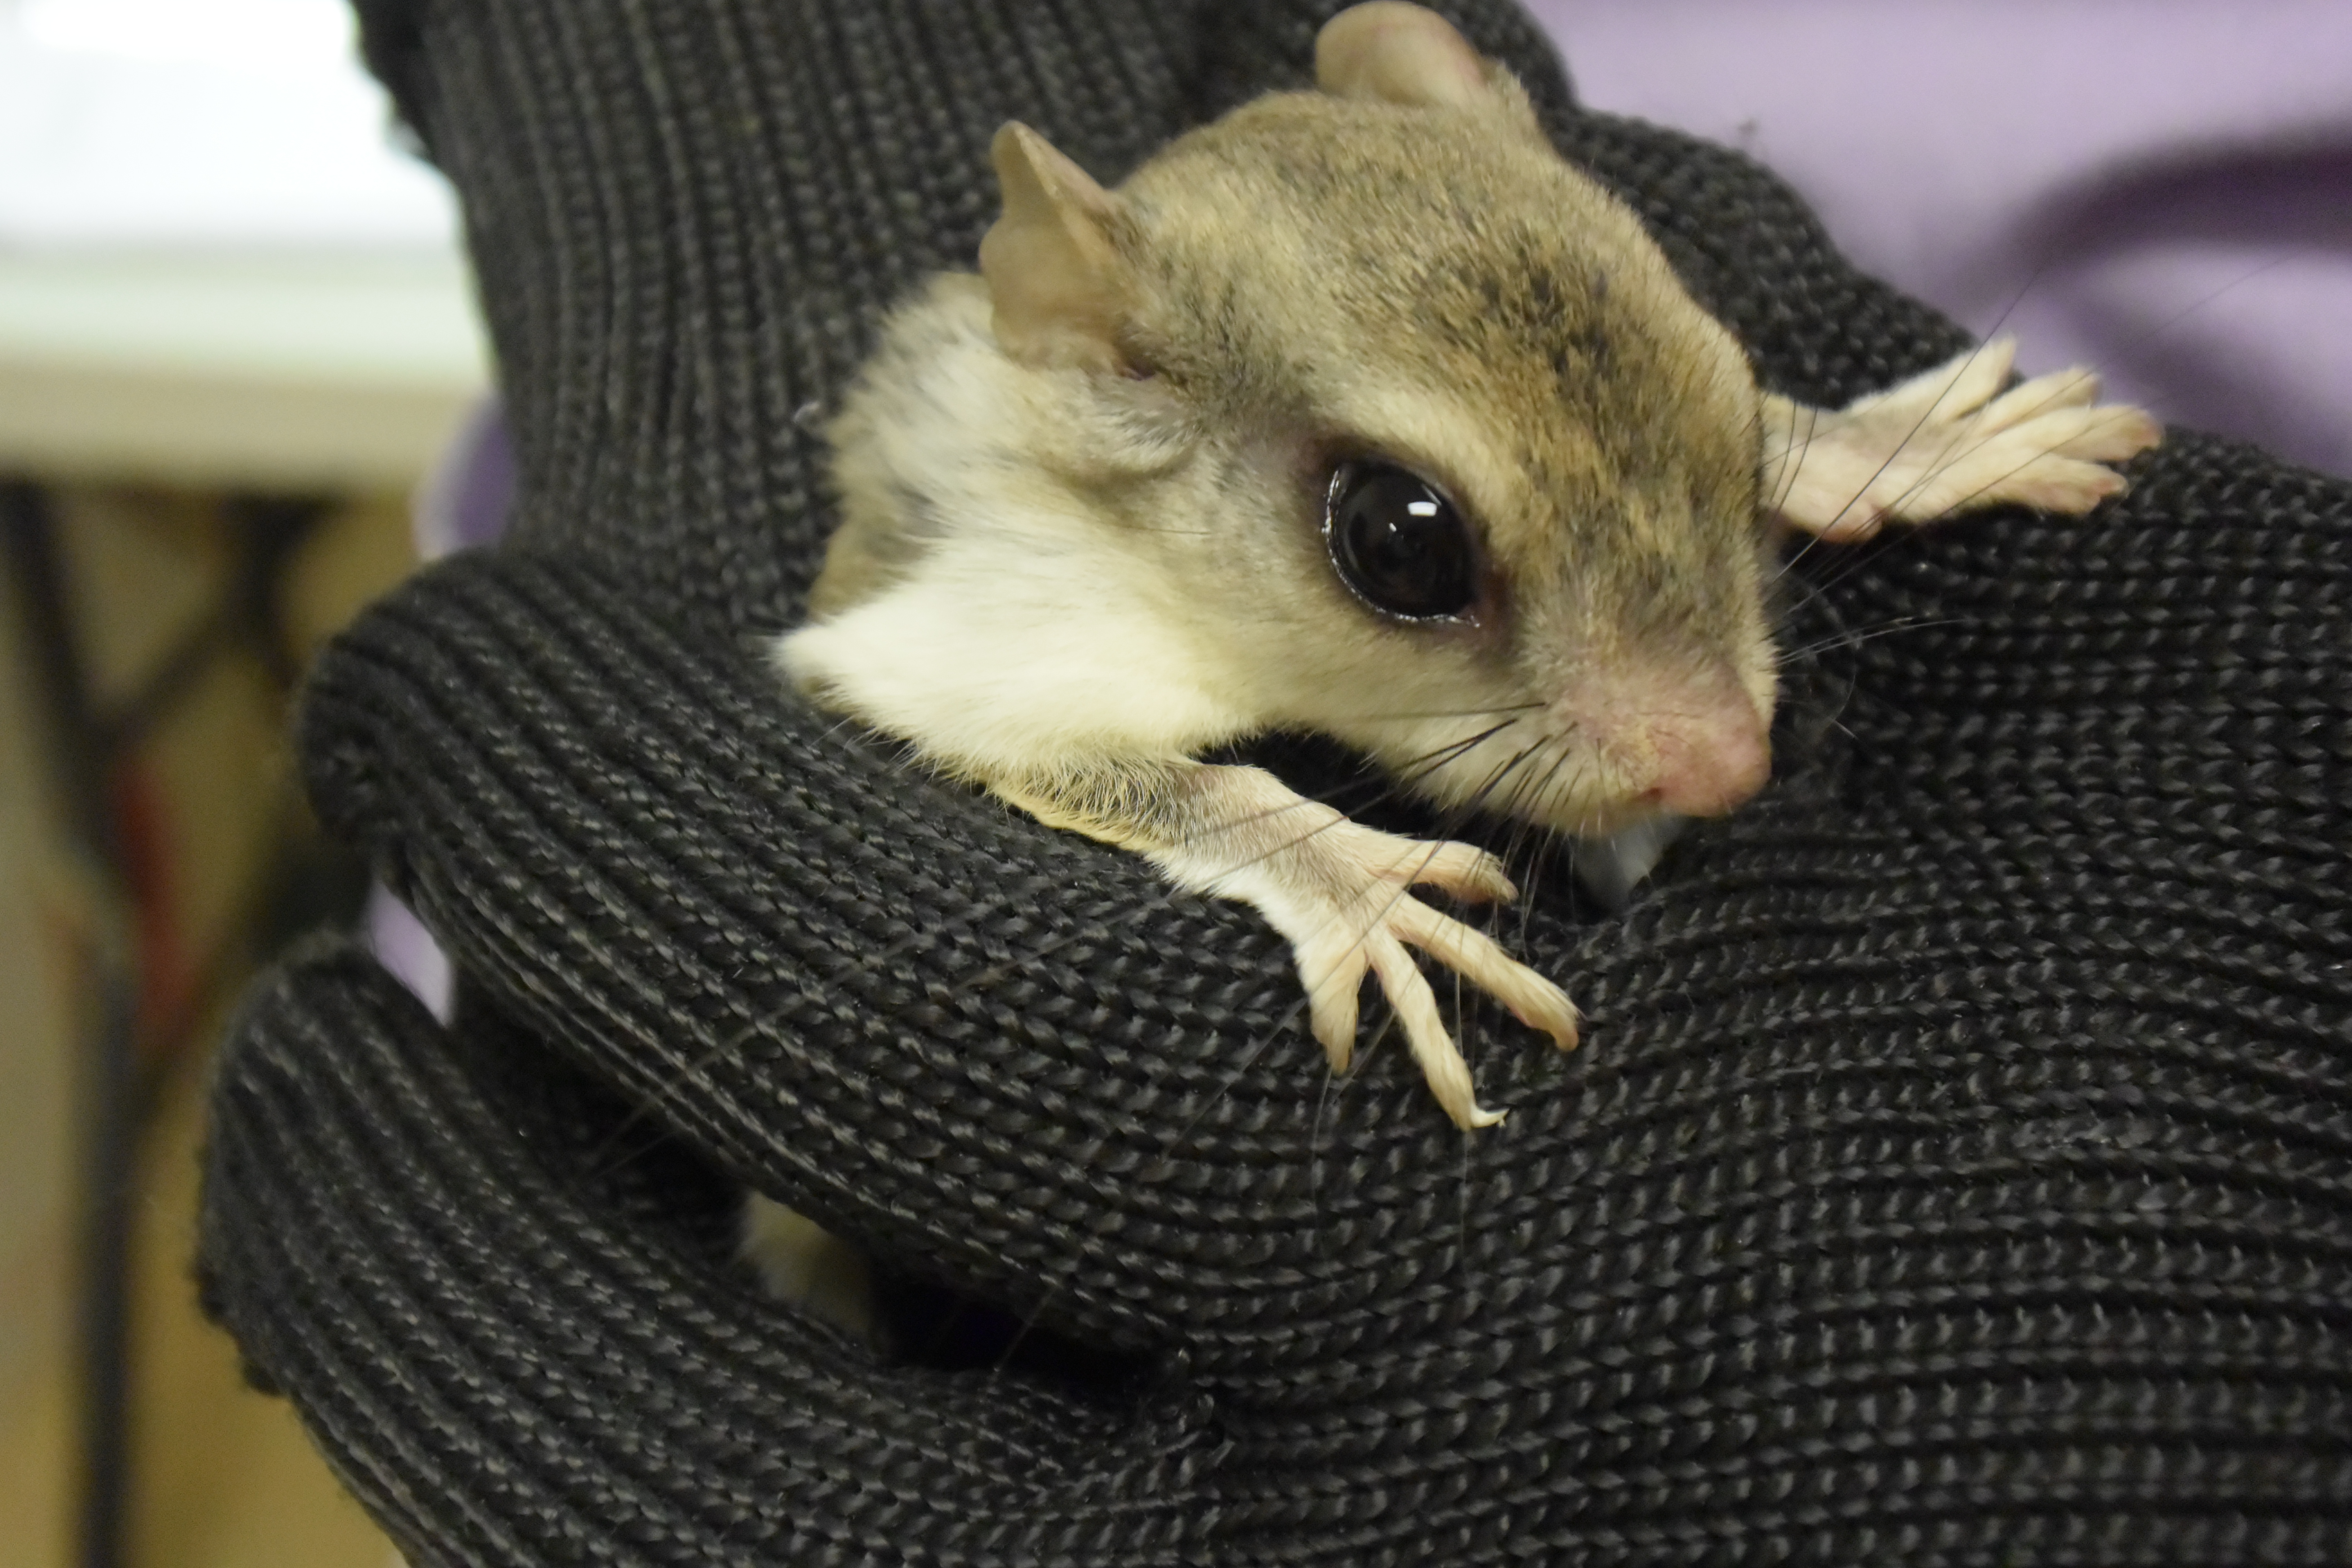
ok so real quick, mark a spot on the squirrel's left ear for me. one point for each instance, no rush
(1059, 287)
(1403, 54)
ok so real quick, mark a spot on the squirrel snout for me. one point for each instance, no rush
(1710, 762)
(1693, 746)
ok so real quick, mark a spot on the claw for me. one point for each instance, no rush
(1478, 957)
(1425, 1030)
(1331, 1003)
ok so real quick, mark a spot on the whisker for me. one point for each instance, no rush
(1959, 373)
(1401, 714)
(1173, 893)
(2122, 354)
(1855, 638)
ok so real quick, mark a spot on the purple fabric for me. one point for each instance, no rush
(464, 500)
(403, 946)
(2160, 189)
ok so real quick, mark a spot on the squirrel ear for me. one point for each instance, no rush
(1399, 54)
(1053, 273)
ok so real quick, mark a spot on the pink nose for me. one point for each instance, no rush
(1709, 761)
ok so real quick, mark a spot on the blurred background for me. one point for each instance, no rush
(241, 385)
(235, 337)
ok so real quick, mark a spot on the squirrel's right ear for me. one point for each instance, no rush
(1403, 54)
(1057, 280)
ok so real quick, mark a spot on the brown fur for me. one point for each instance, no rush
(1306, 242)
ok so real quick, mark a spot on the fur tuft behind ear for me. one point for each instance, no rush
(1054, 277)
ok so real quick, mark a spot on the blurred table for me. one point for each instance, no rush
(261, 371)
(217, 268)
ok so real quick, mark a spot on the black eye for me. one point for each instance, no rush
(1399, 544)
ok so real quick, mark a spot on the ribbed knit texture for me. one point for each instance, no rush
(1958, 1169)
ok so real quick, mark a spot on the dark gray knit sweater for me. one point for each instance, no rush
(1958, 1169)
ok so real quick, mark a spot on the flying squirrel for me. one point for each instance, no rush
(1361, 411)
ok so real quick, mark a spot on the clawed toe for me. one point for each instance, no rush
(1462, 870)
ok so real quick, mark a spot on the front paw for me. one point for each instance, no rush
(1341, 894)
(1943, 442)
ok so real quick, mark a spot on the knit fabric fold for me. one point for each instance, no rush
(1958, 1169)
